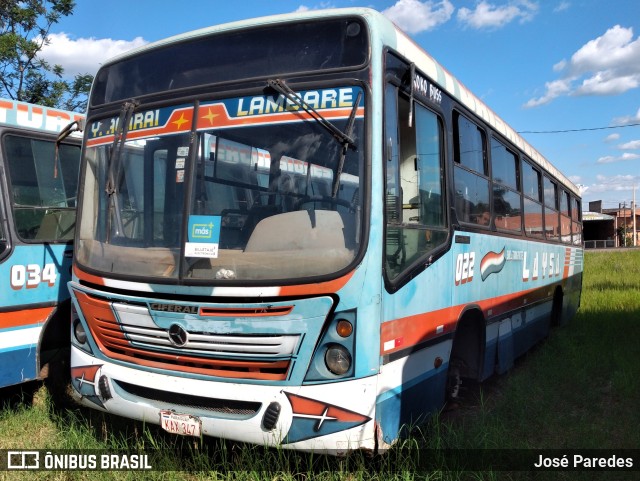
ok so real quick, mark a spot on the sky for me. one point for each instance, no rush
(563, 73)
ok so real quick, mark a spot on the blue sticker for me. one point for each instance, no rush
(204, 229)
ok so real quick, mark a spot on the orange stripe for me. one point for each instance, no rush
(328, 287)
(83, 276)
(412, 330)
(567, 261)
(245, 311)
(25, 317)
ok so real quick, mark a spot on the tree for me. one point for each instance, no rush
(24, 31)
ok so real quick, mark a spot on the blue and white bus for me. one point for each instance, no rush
(302, 231)
(38, 187)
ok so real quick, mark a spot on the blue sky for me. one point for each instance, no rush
(542, 65)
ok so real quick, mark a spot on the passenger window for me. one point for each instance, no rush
(470, 149)
(576, 224)
(531, 182)
(471, 181)
(565, 218)
(4, 241)
(551, 219)
(506, 196)
(532, 202)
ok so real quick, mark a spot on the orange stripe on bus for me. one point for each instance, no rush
(328, 287)
(409, 331)
(25, 317)
(83, 276)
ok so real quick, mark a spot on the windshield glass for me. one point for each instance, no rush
(250, 196)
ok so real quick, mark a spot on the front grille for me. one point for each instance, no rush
(178, 400)
(133, 337)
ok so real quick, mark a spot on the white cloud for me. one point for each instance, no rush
(629, 119)
(612, 138)
(489, 16)
(610, 159)
(554, 89)
(606, 65)
(563, 6)
(607, 159)
(84, 55)
(414, 16)
(615, 50)
(615, 183)
(322, 5)
(576, 179)
(633, 145)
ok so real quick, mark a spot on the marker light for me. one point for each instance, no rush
(344, 328)
(337, 359)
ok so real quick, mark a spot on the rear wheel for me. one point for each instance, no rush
(556, 309)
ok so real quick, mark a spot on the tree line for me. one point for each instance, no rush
(25, 27)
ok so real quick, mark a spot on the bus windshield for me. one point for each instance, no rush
(262, 191)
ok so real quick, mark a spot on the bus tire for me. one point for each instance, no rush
(557, 319)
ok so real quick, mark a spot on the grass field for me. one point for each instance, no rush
(579, 389)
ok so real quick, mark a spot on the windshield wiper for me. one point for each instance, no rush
(345, 138)
(345, 146)
(282, 88)
(75, 126)
(113, 164)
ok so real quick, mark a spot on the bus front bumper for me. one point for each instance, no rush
(331, 417)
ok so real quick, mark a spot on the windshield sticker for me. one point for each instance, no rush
(204, 236)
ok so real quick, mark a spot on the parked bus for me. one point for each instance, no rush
(302, 231)
(38, 187)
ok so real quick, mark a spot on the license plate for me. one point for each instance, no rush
(183, 424)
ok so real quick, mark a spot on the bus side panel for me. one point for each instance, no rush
(416, 337)
(18, 347)
(510, 286)
(485, 303)
(36, 277)
(421, 391)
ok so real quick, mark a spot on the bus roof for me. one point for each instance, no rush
(395, 38)
(25, 115)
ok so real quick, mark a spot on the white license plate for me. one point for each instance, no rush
(183, 424)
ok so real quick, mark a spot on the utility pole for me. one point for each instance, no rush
(623, 206)
(633, 212)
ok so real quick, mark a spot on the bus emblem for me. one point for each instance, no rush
(177, 335)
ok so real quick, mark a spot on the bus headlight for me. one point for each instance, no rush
(337, 359)
(79, 332)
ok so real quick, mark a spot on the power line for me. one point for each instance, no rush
(576, 130)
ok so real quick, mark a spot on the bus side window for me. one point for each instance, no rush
(507, 212)
(4, 241)
(471, 173)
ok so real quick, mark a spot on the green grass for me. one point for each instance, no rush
(579, 389)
